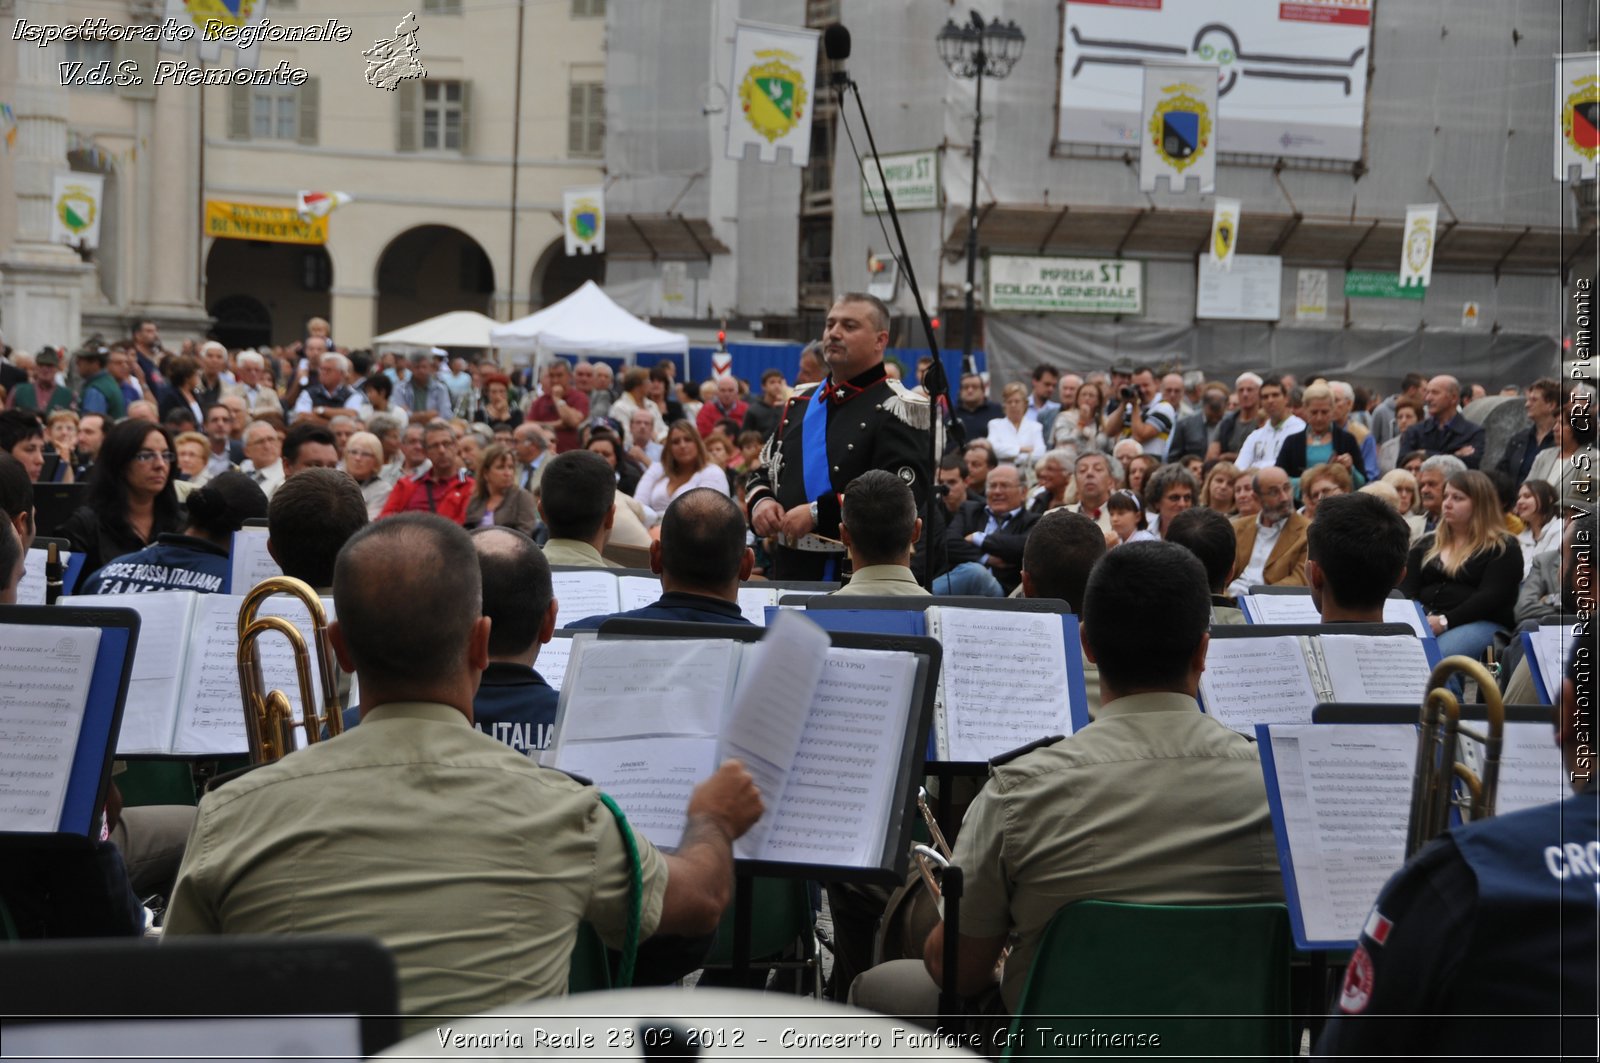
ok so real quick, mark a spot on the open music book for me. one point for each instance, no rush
(1300, 609)
(184, 697)
(1008, 677)
(1281, 678)
(1546, 651)
(598, 591)
(1340, 796)
(823, 729)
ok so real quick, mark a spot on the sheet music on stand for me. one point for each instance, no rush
(1546, 653)
(248, 560)
(1340, 798)
(586, 592)
(1279, 674)
(31, 589)
(1300, 609)
(1012, 672)
(63, 678)
(184, 696)
(824, 724)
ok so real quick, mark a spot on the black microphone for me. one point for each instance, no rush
(836, 45)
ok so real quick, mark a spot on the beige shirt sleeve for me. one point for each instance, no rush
(980, 854)
(609, 897)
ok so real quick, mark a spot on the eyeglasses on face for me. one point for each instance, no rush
(165, 457)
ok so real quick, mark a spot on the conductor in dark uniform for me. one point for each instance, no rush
(856, 419)
(1485, 944)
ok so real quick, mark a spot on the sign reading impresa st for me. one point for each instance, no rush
(1065, 285)
(913, 179)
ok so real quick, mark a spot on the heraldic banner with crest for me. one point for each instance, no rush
(1577, 115)
(1180, 127)
(75, 209)
(774, 91)
(1416, 245)
(583, 220)
(1224, 233)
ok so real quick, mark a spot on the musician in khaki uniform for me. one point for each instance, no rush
(879, 526)
(468, 860)
(1153, 803)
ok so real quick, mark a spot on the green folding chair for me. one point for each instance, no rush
(1206, 981)
(157, 782)
(782, 933)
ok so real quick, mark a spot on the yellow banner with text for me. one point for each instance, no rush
(247, 221)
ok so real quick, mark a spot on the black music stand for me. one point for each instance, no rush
(1261, 631)
(54, 503)
(892, 868)
(233, 980)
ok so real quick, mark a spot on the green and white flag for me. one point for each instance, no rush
(774, 91)
(75, 209)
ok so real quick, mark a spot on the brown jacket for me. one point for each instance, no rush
(1286, 565)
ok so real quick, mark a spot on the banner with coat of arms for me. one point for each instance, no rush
(1180, 127)
(75, 209)
(774, 74)
(1224, 233)
(1577, 115)
(583, 220)
(1416, 245)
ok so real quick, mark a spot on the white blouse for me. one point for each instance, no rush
(653, 495)
(1008, 440)
(1549, 539)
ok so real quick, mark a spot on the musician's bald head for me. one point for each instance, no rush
(702, 548)
(409, 598)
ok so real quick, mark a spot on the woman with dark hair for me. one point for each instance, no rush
(196, 560)
(1542, 526)
(496, 408)
(183, 382)
(1466, 573)
(609, 447)
(131, 499)
(497, 501)
(685, 464)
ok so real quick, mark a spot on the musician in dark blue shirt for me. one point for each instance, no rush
(701, 557)
(514, 703)
(1484, 944)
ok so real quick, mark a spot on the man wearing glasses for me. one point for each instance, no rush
(444, 487)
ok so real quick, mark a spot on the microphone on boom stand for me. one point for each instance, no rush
(836, 45)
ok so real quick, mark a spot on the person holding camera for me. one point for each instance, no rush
(1141, 416)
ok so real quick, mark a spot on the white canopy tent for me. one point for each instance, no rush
(587, 322)
(458, 328)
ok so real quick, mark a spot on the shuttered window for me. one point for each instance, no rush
(586, 119)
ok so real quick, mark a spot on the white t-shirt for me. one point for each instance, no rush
(1261, 447)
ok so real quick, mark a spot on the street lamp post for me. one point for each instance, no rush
(976, 50)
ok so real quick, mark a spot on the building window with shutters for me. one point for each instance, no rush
(274, 112)
(441, 7)
(586, 119)
(588, 8)
(443, 116)
(88, 54)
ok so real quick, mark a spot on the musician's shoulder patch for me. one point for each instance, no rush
(1020, 751)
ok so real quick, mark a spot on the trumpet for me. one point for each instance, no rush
(268, 716)
(1433, 785)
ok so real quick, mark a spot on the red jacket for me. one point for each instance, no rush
(709, 415)
(449, 498)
